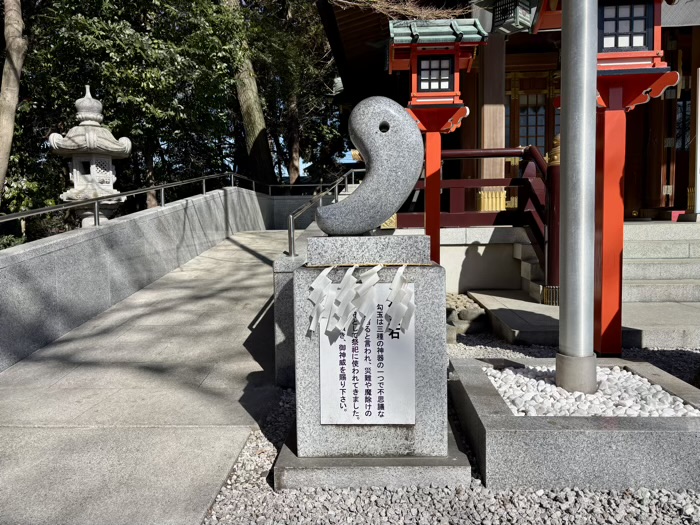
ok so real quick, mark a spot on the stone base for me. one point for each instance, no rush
(576, 374)
(689, 217)
(369, 250)
(292, 472)
(428, 436)
(283, 269)
(599, 453)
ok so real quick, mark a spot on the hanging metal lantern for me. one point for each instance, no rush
(511, 16)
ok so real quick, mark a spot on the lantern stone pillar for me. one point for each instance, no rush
(91, 148)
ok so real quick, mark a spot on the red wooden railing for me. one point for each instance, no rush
(530, 188)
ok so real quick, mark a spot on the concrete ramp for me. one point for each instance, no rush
(138, 415)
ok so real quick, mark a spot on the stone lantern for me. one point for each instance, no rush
(91, 148)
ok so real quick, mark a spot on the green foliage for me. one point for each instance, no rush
(40, 226)
(291, 53)
(164, 71)
(8, 241)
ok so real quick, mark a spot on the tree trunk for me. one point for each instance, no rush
(16, 51)
(257, 145)
(256, 140)
(294, 168)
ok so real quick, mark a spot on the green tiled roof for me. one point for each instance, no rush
(467, 30)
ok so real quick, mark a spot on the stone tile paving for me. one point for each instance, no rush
(136, 416)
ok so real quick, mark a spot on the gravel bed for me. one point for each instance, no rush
(247, 498)
(531, 391)
(684, 363)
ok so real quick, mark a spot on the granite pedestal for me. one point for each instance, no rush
(293, 472)
(428, 436)
(599, 453)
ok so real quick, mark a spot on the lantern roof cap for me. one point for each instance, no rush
(466, 30)
(90, 136)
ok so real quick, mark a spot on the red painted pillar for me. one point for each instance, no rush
(433, 167)
(610, 208)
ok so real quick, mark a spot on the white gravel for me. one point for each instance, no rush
(684, 363)
(531, 391)
(248, 498)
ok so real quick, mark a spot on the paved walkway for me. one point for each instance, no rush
(517, 318)
(137, 416)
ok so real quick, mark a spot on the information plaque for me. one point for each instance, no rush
(368, 371)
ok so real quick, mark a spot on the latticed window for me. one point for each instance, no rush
(436, 74)
(103, 171)
(533, 121)
(683, 113)
(625, 26)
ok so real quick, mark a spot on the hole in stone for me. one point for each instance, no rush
(384, 126)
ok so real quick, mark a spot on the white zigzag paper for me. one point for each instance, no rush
(319, 292)
(402, 308)
(343, 308)
(365, 301)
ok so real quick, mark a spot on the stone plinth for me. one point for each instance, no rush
(283, 269)
(598, 453)
(380, 249)
(293, 472)
(428, 436)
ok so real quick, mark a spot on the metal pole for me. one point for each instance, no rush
(253, 185)
(575, 358)
(204, 186)
(162, 197)
(697, 141)
(230, 178)
(97, 213)
(335, 192)
(290, 233)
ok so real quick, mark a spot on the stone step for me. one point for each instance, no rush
(534, 290)
(516, 318)
(347, 191)
(531, 270)
(665, 269)
(661, 231)
(654, 291)
(523, 251)
(667, 249)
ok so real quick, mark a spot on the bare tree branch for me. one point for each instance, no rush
(399, 9)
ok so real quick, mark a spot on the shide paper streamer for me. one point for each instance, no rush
(340, 303)
(402, 306)
(318, 296)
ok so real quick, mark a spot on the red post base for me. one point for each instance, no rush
(433, 168)
(610, 208)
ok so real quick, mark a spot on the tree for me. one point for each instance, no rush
(164, 72)
(15, 53)
(257, 144)
(290, 49)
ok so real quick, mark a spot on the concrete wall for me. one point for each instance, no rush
(284, 205)
(50, 286)
(479, 258)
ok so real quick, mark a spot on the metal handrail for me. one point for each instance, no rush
(316, 200)
(96, 200)
(161, 187)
